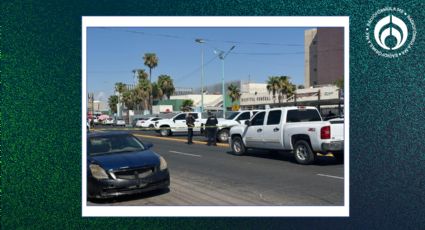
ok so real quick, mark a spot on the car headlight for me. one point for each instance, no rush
(162, 163)
(98, 172)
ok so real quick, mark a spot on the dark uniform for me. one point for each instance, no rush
(211, 126)
(190, 122)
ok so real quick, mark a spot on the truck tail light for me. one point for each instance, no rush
(325, 132)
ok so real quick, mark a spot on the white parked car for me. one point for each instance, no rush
(177, 124)
(119, 122)
(148, 122)
(297, 129)
(108, 121)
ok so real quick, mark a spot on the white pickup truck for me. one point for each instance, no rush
(297, 129)
(166, 127)
(234, 119)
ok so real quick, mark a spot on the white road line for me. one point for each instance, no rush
(336, 177)
(187, 154)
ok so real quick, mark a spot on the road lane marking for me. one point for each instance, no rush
(179, 140)
(187, 154)
(336, 177)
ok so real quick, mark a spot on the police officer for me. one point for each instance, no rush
(190, 122)
(211, 126)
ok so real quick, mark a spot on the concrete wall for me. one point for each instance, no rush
(324, 56)
(330, 55)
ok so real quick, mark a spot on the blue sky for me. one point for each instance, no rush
(112, 54)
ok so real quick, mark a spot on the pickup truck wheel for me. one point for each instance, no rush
(303, 153)
(164, 131)
(223, 135)
(238, 147)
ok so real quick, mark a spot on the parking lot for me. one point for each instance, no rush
(212, 175)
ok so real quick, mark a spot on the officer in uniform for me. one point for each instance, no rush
(190, 122)
(211, 126)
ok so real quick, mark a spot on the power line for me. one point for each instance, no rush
(210, 40)
(196, 70)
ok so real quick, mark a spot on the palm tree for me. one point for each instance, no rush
(157, 92)
(143, 91)
(286, 87)
(187, 104)
(234, 92)
(141, 74)
(128, 99)
(273, 86)
(120, 88)
(112, 102)
(151, 61)
(165, 83)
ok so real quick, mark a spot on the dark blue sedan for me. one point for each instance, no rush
(120, 164)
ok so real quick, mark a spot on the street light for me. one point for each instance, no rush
(200, 41)
(222, 55)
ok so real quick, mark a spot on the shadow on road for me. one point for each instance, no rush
(125, 198)
(287, 156)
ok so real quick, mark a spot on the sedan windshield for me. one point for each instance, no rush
(113, 144)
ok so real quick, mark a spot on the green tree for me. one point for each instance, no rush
(112, 102)
(301, 87)
(273, 86)
(141, 74)
(287, 89)
(120, 88)
(143, 90)
(151, 61)
(187, 104)
(157, 91)
(234, 92)
(166, 84)
(128, 98)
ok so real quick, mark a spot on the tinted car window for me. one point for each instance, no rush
(243, 116)
(195, 115)
(258, 119)
(274, 117)
(232, 115)
(303, 115)
(181, 117)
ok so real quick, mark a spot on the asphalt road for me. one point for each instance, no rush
(208, 176)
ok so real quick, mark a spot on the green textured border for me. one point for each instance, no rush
(41, 144)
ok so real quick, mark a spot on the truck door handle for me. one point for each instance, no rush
(276, 129)
(259, 130)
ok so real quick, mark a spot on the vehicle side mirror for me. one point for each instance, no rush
(148, 145)
(174, 120)
(247, 122)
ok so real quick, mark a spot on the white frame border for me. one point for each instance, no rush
(217, 211)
